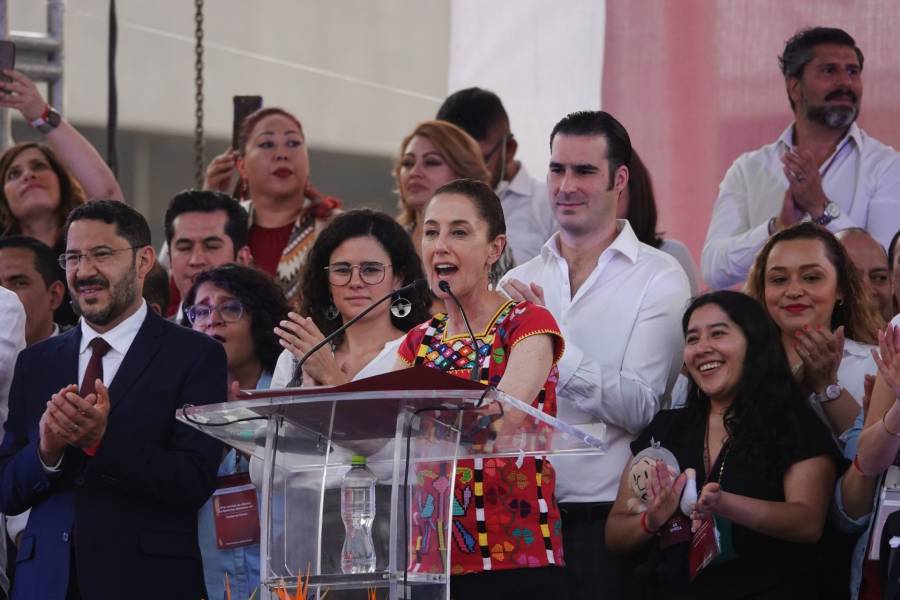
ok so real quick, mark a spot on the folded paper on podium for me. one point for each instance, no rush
(413, 426)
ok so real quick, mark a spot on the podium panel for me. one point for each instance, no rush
(413, 426)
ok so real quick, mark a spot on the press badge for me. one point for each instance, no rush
(235, 512)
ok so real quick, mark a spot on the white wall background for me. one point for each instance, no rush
(360, 74)
(544, 59)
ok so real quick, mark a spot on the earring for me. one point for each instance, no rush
(331, 313)
(840, 301)
(401, 307)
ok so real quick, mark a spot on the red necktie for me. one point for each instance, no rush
(94, 371)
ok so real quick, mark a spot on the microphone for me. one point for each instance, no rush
(445, 287)
(297, 379)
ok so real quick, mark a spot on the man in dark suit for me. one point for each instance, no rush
(91, 444)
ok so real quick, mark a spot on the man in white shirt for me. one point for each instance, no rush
(29, 268)
(526, 209)
(618, 303)
(823, 167)
(91, 445)
(12, 340)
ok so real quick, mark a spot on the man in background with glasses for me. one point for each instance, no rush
(92, 446)
(526, 207)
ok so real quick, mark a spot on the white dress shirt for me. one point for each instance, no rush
(119, 338)
(12, 341)
(382, 363)
(529, 218)
(623, 351)
(862, 177)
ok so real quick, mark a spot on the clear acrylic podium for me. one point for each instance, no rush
(409, 424)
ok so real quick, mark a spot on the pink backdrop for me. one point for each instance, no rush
(696, 82)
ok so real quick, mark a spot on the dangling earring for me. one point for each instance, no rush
(401, 307)
(331, 313)
(840, 301)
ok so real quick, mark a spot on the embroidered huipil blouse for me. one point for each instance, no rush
(504, 511)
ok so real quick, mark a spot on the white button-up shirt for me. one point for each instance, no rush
(862, 177)
(119, 338)
(529, 218)
(623, 351)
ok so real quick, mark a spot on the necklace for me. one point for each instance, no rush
(706, 455)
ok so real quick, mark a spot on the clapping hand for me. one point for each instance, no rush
(888, 357)
(298, 335)
(821, 352)
(663, 495)
(804, 181)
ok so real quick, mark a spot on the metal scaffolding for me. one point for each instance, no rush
(39, 56)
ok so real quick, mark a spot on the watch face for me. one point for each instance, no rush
(833, 391)
(832, 210)
(53, 119)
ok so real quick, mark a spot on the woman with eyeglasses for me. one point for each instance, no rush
(358, 258)
(238, 306)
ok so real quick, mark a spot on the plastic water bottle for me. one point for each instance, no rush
(358, 513)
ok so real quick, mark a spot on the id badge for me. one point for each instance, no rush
(235, 512)
(676, 531)
(705, 547)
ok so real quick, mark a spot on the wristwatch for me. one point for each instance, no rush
(832, 211)
(48, 121)
(832, 392)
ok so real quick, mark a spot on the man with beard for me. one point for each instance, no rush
(823, 167)
(92, 446)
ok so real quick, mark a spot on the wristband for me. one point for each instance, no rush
(644, 525)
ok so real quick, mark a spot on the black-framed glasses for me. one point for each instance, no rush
(96, 256)
(371, 273)
(230, 311)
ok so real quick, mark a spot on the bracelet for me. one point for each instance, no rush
(886, 427)
(644, 525)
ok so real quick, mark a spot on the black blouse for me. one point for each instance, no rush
(765, 566)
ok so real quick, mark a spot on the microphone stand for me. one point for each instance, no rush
(445, 287)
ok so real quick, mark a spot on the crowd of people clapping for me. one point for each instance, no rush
(764, 419)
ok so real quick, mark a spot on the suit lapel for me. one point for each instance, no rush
(146, 344)
(65, 370)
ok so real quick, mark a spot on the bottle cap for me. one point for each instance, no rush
(358, 460)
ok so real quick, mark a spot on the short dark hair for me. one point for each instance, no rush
(763, 421)
(207, 201)
(45, 261)
(642, 212)
(598, 122)
(130, 224)
(485, 200)
(798, 50)
(396, 242)
(263, 301)
(474, 110)
(156, 288)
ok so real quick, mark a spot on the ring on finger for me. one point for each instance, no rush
(73, 428)
(800, 176)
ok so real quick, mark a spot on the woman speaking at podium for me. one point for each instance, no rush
(505, 540)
